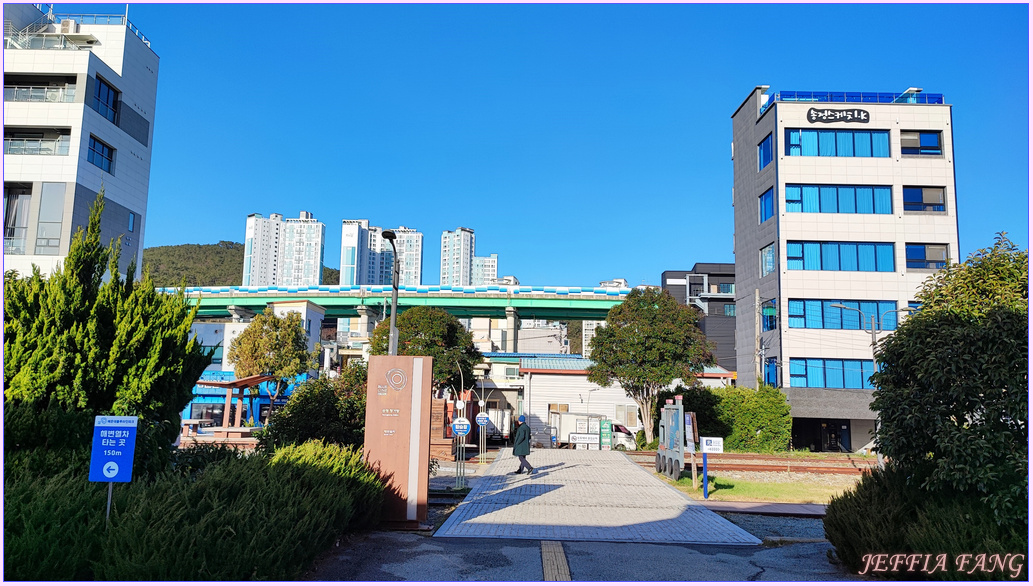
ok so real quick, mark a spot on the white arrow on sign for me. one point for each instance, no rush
(110, 470)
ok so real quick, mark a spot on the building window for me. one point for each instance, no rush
(830, 373)
(840, 256)
(819, 314)
(926, 256)
(839, 199)
(105, 100)
(101, 155)
(558, 407)
(730, 309)
(837, 143)
(767, 260)
(923, 199)
(512, 372)
(767, 205)
(771, 372)
(919, 142)
(631, 419)
(16, 216)
(765, 152)
(51, 215)
(769, 315)
(726, 288)
(132, 221)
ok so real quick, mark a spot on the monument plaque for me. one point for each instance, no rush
(397, 439)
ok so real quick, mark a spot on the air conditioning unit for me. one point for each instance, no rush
(69, 27)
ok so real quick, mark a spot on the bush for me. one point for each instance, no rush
(759, 418)
(699, 400)
(886, 514)
(328, 409)
(253, 517)
(640, 440)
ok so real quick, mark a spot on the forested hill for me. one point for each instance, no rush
(204, 265)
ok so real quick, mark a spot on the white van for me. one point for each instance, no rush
(623, 438)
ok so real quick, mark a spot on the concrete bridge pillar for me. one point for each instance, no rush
(511, 329)
(367, 317)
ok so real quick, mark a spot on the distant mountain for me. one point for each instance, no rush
(204, 265)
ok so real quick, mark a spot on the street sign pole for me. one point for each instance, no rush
(111, 456)
(460, 429)
(107, 517)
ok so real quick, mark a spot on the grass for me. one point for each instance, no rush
(733, 489)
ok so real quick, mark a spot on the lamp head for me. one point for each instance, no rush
(388, 234)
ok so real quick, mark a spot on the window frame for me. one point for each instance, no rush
(107, 105)
(93, 154)
(771, 261)
(726, 312)
(837, 142)
(919, 146)
(766, 205)
(913, 262)
(921, 204)
(765, 152)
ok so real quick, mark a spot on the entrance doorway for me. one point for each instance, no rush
(822, 435)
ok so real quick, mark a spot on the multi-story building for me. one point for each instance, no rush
(711, 288)
(485, 270)
(844, 204)
(79, 101)
(283, 252)
(457, 252)
(367, 257)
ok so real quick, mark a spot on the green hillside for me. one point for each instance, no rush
(204, 265)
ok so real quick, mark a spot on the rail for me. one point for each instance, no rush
(854, 97)
(27, 93)
(35, 146)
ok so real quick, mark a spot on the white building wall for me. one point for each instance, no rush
(579, 395)
(457, 252)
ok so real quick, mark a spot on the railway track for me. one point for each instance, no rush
(832, 464)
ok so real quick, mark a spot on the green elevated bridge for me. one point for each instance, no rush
(349, 301)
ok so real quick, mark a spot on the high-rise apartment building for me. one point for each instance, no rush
(366, 257)
(79, 101)
(844, 205)
(283, 252)
(457, 252)
(485, 270)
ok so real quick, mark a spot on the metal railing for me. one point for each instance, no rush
(104, 19)
(27, 93)
(14, 245)
(854, 97)
(36, 146)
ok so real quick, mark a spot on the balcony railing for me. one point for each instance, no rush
(104, 19)
(854, 97)
(14, 246)
(36, 146)
(21, 93)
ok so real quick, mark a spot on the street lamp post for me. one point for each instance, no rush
(392, 346)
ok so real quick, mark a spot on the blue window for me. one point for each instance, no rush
(918, 142)
(101, 154)
(730, 309)
(726, 288)
(767, 205)
(765, 152)
(769, 315)
(105, 100)
(819, 314)
(838, 143)
(771, 372)
(926, 256)
(830, 373)
(840, 256)
(841, 199)
(923, 199)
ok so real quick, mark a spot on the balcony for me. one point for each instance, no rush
(36, 146)
(56, 94)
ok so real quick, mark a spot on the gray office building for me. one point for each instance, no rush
(711, 288)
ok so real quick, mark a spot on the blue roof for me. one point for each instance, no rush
(527, 355)
(566, 363)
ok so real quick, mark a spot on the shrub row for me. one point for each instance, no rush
(750, 420)
(223, 517)
(885, 514)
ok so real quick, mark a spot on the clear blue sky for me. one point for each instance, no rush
(579, 142)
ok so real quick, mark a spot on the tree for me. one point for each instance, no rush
(82, 346)
(328, 409)
(648, 341)
(430, 331)
(273, 345)
(574, 335)
(952, 390)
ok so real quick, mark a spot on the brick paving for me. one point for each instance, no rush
(585, 495)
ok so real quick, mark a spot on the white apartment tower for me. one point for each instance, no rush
(457, 251)
(283, 252)
(366, 257)
(485, 270)
(79, 101)
(844, 204)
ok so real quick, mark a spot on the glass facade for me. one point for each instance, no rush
(840, 256)
(830, 373)
(819, 314)
(839, 199)
(837, 143)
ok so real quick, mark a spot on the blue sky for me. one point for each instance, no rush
(579, 142)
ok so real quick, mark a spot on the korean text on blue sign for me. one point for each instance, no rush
(114, 443)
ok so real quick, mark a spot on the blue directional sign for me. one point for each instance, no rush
(461, 426)
(114, 443)
(482, 419)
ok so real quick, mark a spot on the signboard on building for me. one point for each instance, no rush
(828, 115)
(114, 443)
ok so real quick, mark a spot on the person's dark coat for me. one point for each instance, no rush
(522, 440)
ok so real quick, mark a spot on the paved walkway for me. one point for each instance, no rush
(582, 495)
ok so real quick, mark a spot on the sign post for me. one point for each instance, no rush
(709, 445)
(482, 421)
(460, 428)
(111, 458)
(605, 435)
(691, 435)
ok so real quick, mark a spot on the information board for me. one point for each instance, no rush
(461, 426)
(605, 434)
(712, 445)
(114, 443)
(482, 418)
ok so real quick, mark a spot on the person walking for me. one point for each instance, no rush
(522, 445)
